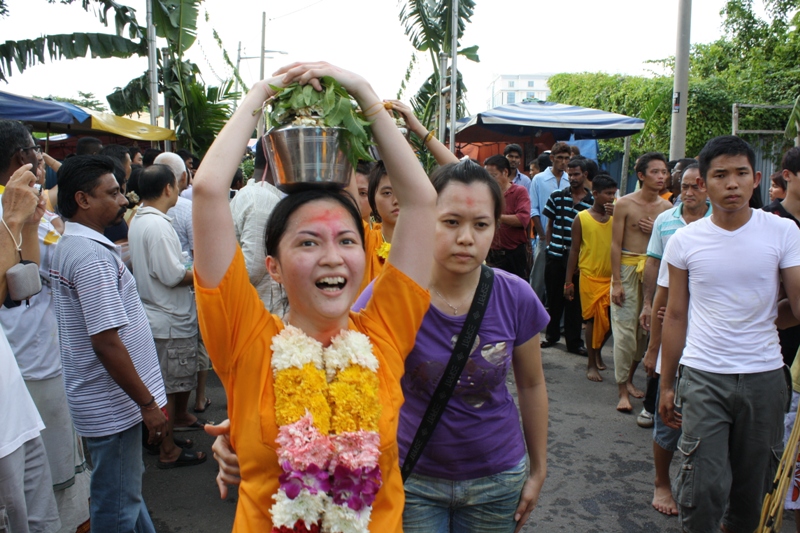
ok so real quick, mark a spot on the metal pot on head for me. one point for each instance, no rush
(303, 156)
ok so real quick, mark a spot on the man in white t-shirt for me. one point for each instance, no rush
(731, 387)
(164, 287)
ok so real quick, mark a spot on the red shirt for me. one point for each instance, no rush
(517, 202)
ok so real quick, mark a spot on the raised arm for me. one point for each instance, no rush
(440, 152)
(214, 238)
(22, 209)
(413, 239)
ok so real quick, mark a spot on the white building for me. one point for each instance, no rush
(514, 88)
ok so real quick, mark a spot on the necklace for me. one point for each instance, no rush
(454, 308)
(327, 410)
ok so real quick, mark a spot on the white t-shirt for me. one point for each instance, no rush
(19, 419)
(734, 283)
(158, 269)
(663, 281)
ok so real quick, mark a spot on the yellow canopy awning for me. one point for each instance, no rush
(132, 129)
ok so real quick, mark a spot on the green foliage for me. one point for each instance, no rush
(248, 167)
(86, 100)
(755, 63)
(333, 106)
(176, 20)
(202, 114)
(226, 57)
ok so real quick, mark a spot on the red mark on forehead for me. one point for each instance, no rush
(327, 216)
(470, 201)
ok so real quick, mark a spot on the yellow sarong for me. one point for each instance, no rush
(595, 301)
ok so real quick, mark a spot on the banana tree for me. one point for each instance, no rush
(428, 25)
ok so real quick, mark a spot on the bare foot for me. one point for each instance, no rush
(633, 391)
(663, 502)
(594, 375)
(600, 364)
(624, 405)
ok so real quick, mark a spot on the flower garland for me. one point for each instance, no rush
(327, 407)
(383, 249)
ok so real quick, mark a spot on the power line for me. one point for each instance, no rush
(296, 11)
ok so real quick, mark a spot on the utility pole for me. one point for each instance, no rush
(442, 92)
(236, 75)
(680, 92)
(263, 41)
(453, 75)
(152, 64)
(166, 65)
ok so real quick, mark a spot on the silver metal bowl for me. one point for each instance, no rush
(304, 155)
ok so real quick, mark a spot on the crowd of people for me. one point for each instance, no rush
(364, 336)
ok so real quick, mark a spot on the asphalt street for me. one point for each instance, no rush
(599, 479)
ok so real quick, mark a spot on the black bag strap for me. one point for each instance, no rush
(458, 360)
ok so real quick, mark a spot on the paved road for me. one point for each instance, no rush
(599, 467)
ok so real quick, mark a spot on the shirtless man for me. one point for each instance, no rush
(632, 224)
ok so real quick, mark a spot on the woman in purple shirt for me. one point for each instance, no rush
(472, 475)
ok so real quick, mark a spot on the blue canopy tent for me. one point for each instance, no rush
(532, 119)
(44, 115)
(529, 121)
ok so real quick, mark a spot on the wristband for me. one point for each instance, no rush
(568, 285)
(151, 402)
(428, 137)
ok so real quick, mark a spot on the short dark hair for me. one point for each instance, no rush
(603, 182)
(574, 150)
(88, 146)
(133, 182)
(238, 177)
(592, 169)
(692, 165)
(185, 154)
(724, 145)
(468, 172)
(279, 219)
(499, 162)
(578, 162)
(133, 150)
(791, 160)
(81, 173)
(13, 136)
(364, 167)
(778, 179)
(644, 161)
(512, 148)
(149, 156)
(560, 148)
(544, 162)
(117, 151)
(154, 180)
(375, 175)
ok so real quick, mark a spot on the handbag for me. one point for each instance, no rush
(458, 360)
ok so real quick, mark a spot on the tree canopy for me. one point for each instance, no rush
(755, 62)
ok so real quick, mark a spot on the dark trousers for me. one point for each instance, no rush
(555, 272)
(649, 402)
(516, 261)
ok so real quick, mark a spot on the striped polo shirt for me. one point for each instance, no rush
(93, 292)
(665, 226)
(562, 211)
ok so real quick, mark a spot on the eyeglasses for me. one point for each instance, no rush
(36, 148)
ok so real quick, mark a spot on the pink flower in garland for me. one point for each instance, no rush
(302, 445)
(360, 449)
(355, 488)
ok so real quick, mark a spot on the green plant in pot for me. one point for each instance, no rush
(315, 137)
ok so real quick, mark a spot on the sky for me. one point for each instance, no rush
(366, 36)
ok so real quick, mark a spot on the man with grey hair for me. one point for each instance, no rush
(181, 215)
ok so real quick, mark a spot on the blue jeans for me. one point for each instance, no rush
(485, 504)
(117, 505)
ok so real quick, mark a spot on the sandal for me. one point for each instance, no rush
(155, 449)
(203, 410)
(184, 459)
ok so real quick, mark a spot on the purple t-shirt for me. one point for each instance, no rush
(479, 434)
